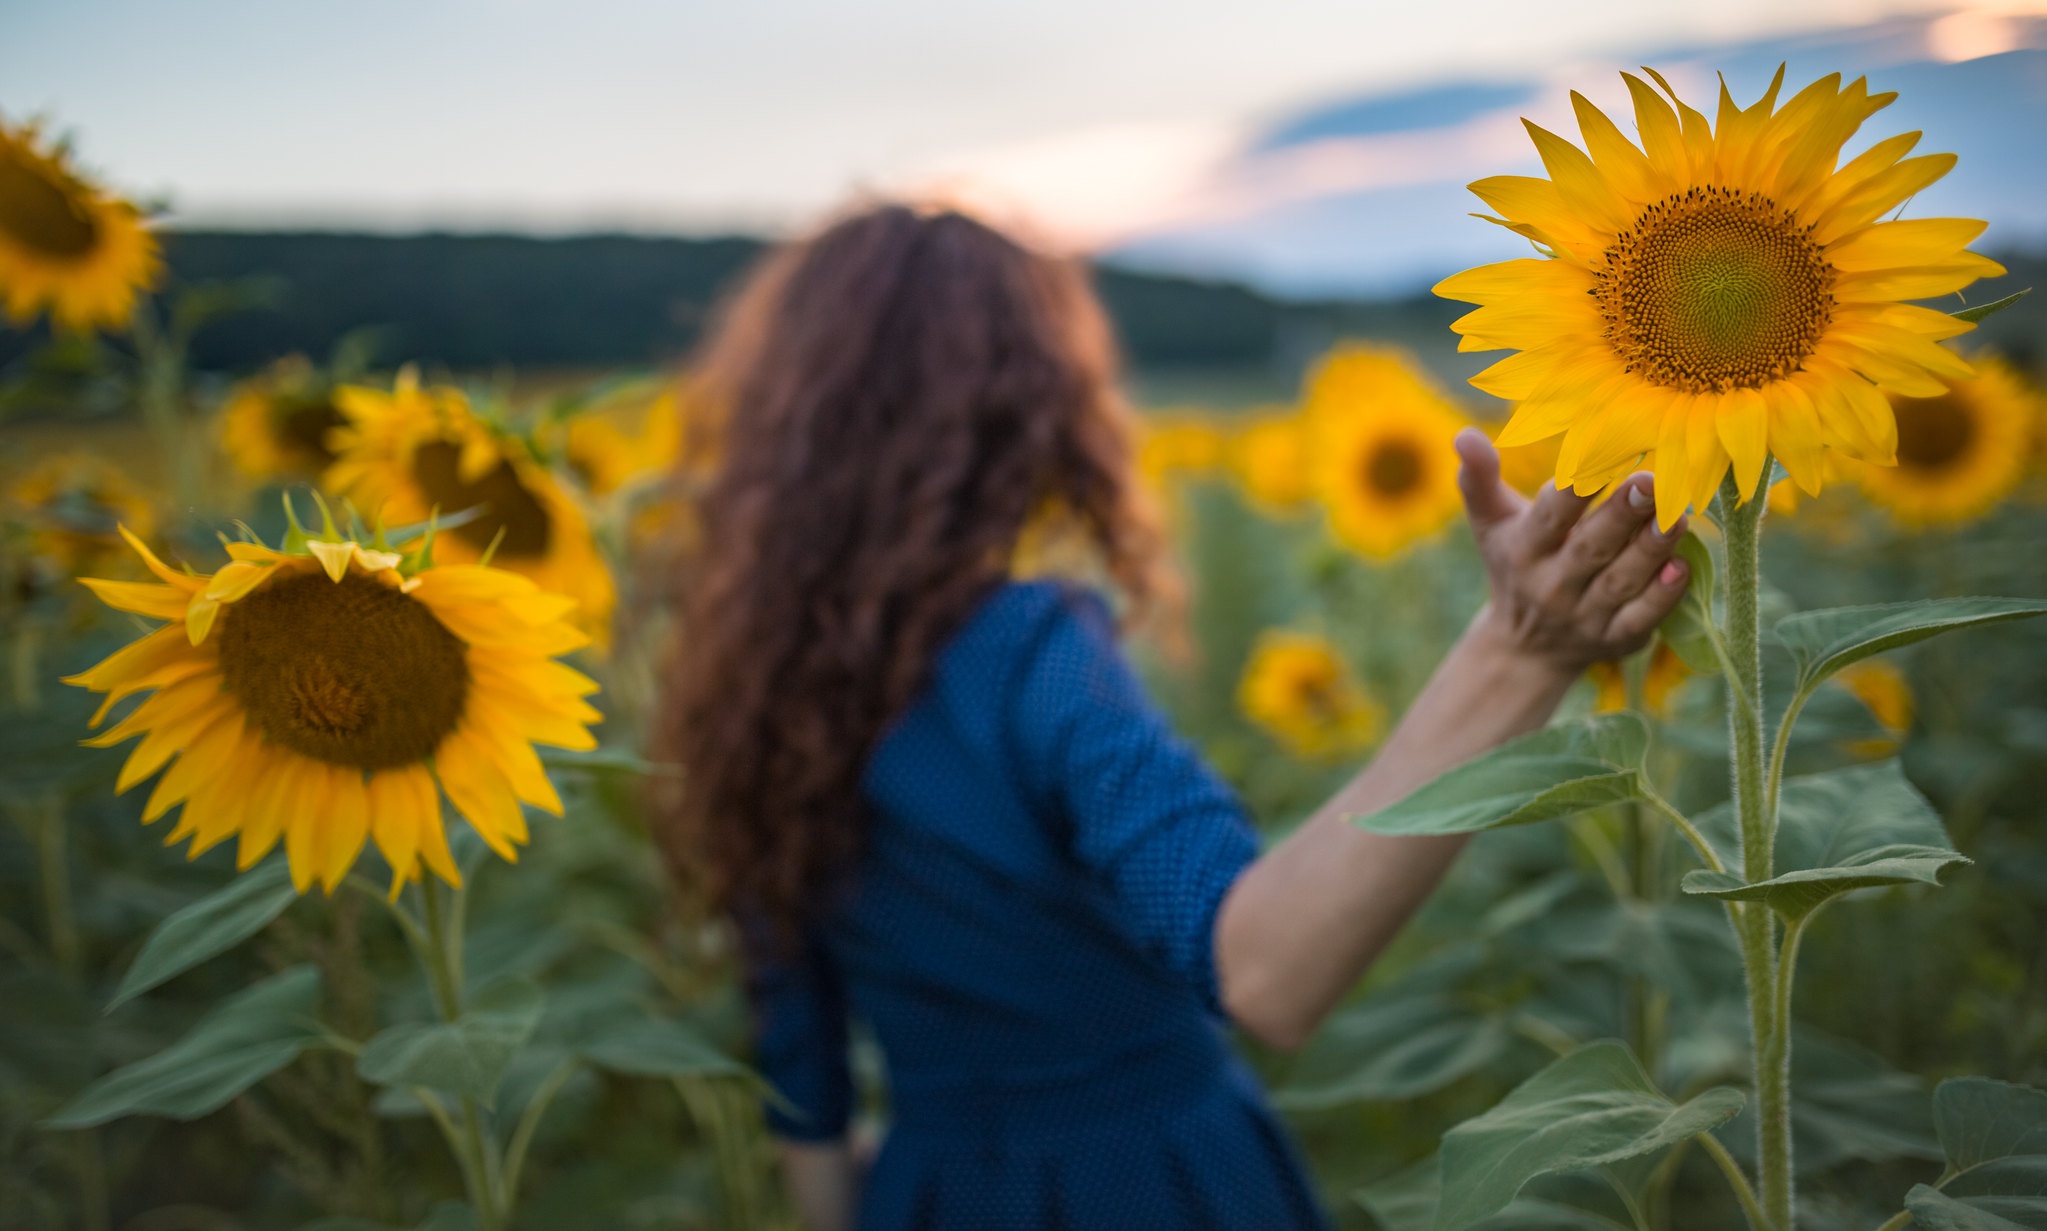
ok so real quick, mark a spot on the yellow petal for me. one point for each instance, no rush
(395, 821)
(333, 557)
(1744, 426)
(1795, 438)
(269, 797)
(183, 581)
(348, 825)
(480, 793)
(1583, 189)
(199, 617)
(305, 828)
(143, 598)
(1905, 243)
(234, 581)
(1884, 192)
(1625, 168)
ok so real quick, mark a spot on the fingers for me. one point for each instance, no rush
(1607, 530)
(1633, 623)
(1638, 562)
(1549, 522)
(1487, 500)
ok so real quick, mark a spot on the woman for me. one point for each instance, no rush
(937, 800)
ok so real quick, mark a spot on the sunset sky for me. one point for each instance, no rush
(632, 114)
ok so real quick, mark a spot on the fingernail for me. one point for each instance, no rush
(1639, 498)
(1673, 572)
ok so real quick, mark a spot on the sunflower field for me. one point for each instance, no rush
(329, 900)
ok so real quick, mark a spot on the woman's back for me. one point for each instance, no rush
(1028, 935)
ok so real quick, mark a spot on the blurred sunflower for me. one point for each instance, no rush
(1177, 444)
(1960, 453)
(1269, 457)
(1661, 678)
(275, 426)
(1298, 689)
(66, 246)
(406, 454)
(73, 504)
(607, 452)
(1721, 293)
(319, 695)
(1882, 689)
(1380, 448)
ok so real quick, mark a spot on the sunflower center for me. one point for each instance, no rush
(351, 673)
(1393, 468)
(505, 503)
(1714, 289)
(41, 210)
(302, 429)
(1315, 691)
(1933, 432)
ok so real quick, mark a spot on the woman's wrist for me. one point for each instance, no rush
(1502, 656)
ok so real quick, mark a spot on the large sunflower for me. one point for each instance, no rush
(1721, 293)
(1959, 453)
(1380, 449)
(66, 246)
(276, 425)
(1298, 689)
(319, 696)
(406, 454)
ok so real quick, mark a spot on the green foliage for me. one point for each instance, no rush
(244, 1039)
(209, 927)
(1847, 829)
(1690, 629)
(1591, 1109)
(1552, 773)
(467, 1056)
(1995, 1136)
(1823, 642)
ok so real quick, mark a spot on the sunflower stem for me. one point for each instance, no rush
(442, 956)
(1769, 1012)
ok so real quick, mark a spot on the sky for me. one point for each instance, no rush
(689, 117)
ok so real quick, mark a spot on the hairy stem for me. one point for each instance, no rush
(1736, 1180)
(442, 955)
(1769, 1019)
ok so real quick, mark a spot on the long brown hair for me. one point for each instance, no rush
(897, 398)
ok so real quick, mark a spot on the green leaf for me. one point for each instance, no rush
(1981, 310)
(1592, 1108)
(1823, 642)
(243, 1040)
(1541, 776)
(1406, 1201)
(1392, 1047)
(656, 1047)
(209, 927)
(467, 1056)
(1839, 831)
(1690, 629)
(1995, 1137)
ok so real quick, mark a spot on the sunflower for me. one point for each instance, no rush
(405, 454)
(1176, 444)
(1298, 689)
(1661, 678)
(320, 694)
(66, 246)
(72, 504)
(275, 426)
(607, 451)
(1960, 453)
(1722, 293)
(1882, 689)
(1269, 457)
(1380, 448)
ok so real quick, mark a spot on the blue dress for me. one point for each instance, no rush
(1028, 938)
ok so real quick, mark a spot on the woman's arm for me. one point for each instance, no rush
(823, 1181)
(1304, 921)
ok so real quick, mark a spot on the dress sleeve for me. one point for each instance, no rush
(1146, 815)
(800, 1035)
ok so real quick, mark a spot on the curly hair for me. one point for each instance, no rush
(897, 399)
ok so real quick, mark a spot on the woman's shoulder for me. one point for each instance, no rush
(1019, 619)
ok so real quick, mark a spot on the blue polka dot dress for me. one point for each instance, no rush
(1029, 939)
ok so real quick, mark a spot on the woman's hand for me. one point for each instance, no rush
(1569, 588)
(1305, 920)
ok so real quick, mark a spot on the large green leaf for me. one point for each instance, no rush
(1823, 642)
(656, 1047)
(1592, 1108)
(1406, 1201)
(467, 1056)
(1995, 1137)
(1839, 831)
(243, 1040)
(1550, 773)
(1690, 628)
(209, 927)
(1392, 1047)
